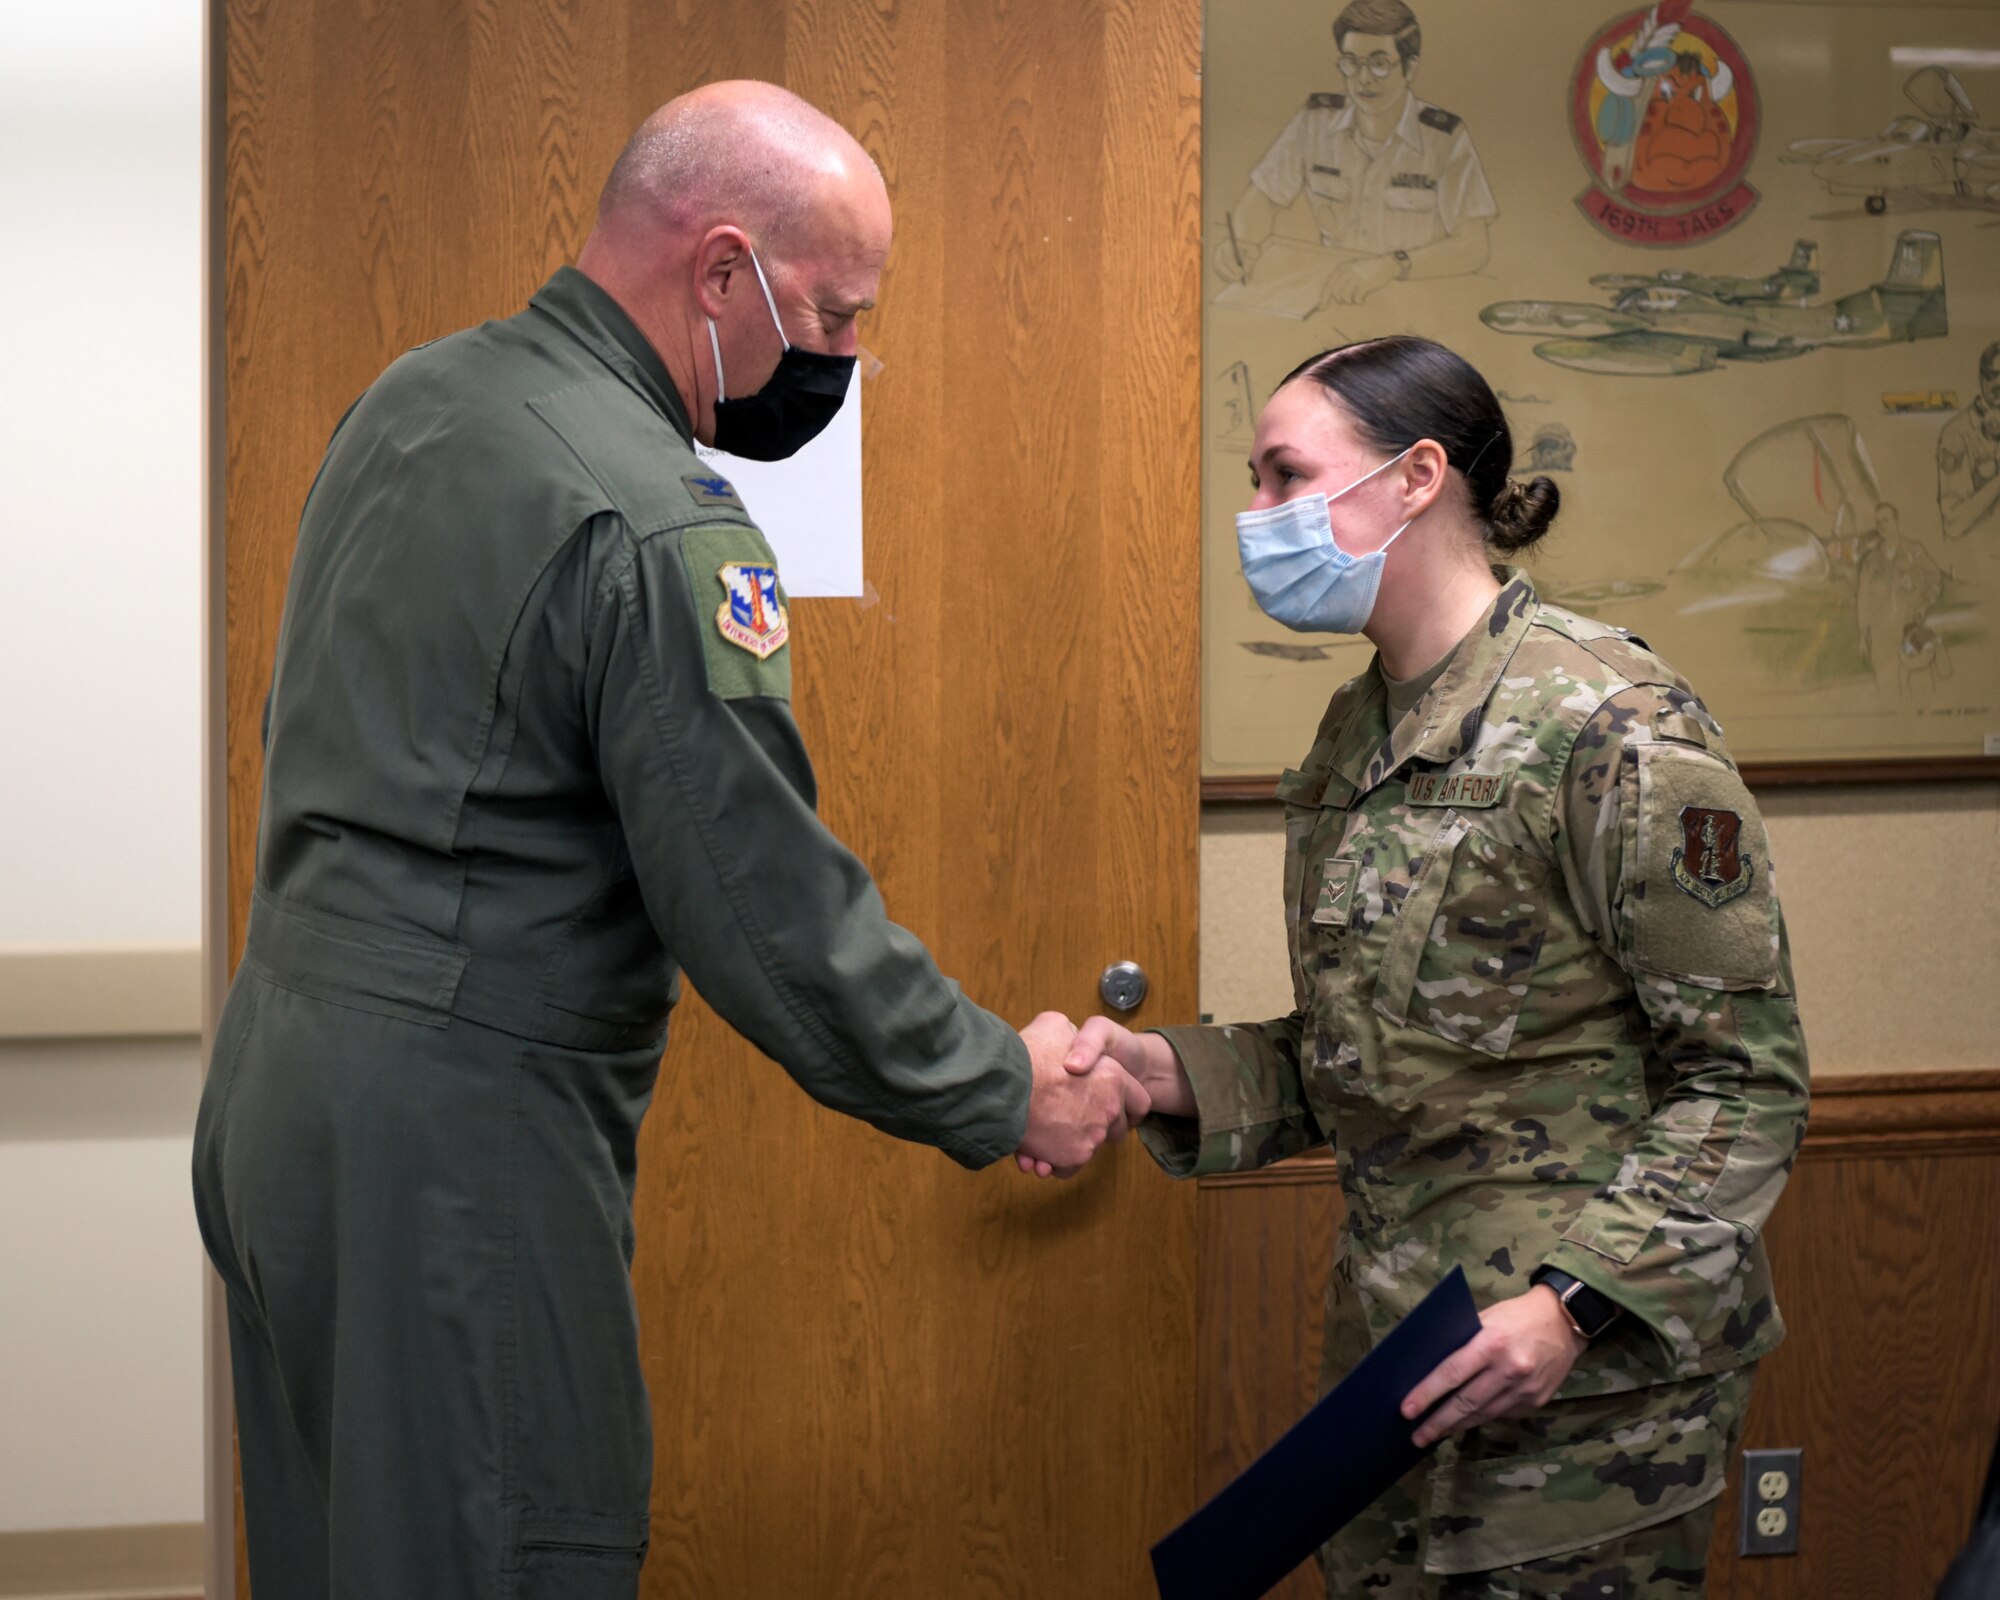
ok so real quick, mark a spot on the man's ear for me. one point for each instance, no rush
(721, 260)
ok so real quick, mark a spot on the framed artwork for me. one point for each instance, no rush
(1733, 269)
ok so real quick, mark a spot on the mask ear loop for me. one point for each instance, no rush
(715, 344)
(765, 284)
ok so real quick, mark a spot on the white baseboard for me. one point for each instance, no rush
(160, 1561)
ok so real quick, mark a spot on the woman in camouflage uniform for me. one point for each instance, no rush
(1544, 1008)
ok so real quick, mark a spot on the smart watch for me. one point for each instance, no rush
(1587, 1310)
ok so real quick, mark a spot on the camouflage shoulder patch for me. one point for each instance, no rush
(741, 611)
(710, 489)
(1698, 901)
(1679, 727)
(1326, 102)
(1437, 117)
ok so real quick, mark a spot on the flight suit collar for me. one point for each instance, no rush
(600, 324)
(1442, 725)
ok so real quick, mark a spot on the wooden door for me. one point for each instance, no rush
(872, 1374)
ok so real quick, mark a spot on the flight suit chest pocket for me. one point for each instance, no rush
(1462, 953)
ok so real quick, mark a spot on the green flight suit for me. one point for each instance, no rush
(530, 754)
(1545, 1015)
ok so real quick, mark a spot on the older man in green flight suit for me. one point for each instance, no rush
(531, 753)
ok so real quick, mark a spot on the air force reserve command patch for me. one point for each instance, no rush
(752, 617)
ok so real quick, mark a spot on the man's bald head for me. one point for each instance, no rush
(743, 152)
(722, 172)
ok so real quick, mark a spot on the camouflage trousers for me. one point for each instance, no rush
(1686, 1434)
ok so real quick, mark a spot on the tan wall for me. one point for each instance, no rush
(1892, 896)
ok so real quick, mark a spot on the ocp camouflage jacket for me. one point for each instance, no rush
(1545, 1010)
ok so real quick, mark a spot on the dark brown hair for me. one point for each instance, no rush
(1389, 18)
(1402, 389)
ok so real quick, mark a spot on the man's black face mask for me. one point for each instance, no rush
(792, 408)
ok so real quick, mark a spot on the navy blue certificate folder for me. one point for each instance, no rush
(1332, 1464)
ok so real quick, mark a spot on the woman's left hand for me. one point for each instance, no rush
(1523, 1351)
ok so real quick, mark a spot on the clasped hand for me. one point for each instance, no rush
(1523, 1351)
(1091, 1085)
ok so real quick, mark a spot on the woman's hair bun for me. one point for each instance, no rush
(1522, 513)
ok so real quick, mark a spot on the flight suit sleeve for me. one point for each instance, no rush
(1462, 190)
(776, 922)
(1666, 858)
(1282, 172)
(1249, 1098)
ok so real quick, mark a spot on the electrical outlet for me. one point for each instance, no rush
(1771, 1502)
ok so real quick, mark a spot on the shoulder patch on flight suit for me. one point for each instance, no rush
(745, 622)
(1326, 102)
(710, 489)
(1436, 117)
(1698, 904)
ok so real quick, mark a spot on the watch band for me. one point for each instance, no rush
(1587, 1310)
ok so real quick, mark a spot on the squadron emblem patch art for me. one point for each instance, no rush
(1708, 863)
(752, 618)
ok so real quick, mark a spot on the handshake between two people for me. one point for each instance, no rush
(1091, 1086)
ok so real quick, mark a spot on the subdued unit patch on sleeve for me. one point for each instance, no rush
(1697, 903)
(740, 611)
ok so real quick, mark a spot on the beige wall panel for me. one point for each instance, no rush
(1889, 892)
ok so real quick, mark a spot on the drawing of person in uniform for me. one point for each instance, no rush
(1388, 177)
(1968, 455)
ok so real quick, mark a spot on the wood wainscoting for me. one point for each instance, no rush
(1886, 1250)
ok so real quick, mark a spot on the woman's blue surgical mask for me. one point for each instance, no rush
(1297, 571)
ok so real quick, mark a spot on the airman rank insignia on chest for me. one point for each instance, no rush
(1466, 790)
(1709, 863)
(752, 618)
(1336, 893)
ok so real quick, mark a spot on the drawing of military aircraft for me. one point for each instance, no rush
(1816, 589)
(1796, 280)
(1942, 155)
(1663, 331)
